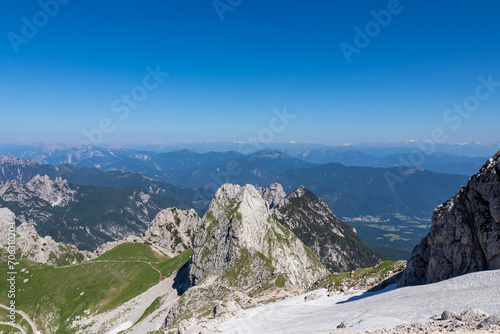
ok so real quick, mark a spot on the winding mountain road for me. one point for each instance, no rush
(25, 317)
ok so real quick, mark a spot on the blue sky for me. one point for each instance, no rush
(227, 76)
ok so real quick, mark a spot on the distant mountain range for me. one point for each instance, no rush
(161, 161)
(12, 168)
(353, 191)
(348, 191)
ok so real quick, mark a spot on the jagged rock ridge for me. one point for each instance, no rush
(336, 244)
(172, 232)
(242, 243)
(38, 249)
(84, 216)
(465, 232)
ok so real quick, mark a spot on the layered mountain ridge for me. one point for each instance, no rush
(15, 169)
(336, 244)
(84, 216)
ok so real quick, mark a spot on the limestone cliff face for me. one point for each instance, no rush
(172, 232)
(39, 189)
(274, 195)
(38, 249)
(57, 192)
(465, 232)
(336, 244)
(241, 244)
(84, 216)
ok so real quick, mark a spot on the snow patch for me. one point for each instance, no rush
(371, 311)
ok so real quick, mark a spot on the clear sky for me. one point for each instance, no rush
(72, 66)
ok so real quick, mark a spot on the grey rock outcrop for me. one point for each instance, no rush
(465, 232)
(57, 192)
(345, 324)
(240, 243)
(448, 315)
(172, 232)
(84, 216)
(336, 244)
(275, 195)
(241, 253)
(38, 249)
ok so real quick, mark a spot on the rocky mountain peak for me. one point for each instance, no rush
(173, 230)
(235, 193)
(336, 244)
(38, 249)
(299, 192)
(241, 243)
(58, 192)
(465, 233)
(274, 195)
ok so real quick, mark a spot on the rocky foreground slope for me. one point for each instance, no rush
(465, 232)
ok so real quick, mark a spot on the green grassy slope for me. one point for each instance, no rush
(53, 297)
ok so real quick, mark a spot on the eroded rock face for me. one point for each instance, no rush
(336, 244)
(465, 232)
(57, 192)
(84, 216)
(172, 232)
(241, 253)
(274, 195)
(241, 243)
(38, 249)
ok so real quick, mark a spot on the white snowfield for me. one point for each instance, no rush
(370, 311)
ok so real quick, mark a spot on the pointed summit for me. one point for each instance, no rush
(241, 244)
(336, 244)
